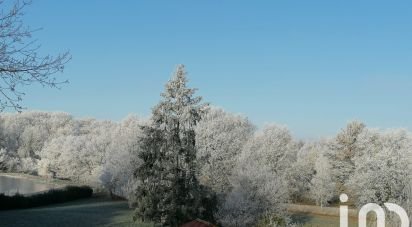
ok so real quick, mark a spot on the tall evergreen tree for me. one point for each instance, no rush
(170, 193)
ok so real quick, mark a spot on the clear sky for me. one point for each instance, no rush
(311, 65)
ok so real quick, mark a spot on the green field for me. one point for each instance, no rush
(311, 220)
(314, 220)
(97, 211)
(101, 211)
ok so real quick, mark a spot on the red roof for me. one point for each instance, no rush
(197, 223)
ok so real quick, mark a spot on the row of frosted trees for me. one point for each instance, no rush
(190, 160)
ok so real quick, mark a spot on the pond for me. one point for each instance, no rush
(12, 185)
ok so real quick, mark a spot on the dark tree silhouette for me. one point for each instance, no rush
(20, 63)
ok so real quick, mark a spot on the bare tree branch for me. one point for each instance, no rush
(20, 63)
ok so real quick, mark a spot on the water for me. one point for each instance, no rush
(12, 185)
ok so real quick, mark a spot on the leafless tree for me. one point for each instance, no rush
(20, 63)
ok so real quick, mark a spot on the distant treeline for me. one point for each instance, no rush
(253, 171)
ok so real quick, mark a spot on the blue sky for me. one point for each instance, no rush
(311, 65)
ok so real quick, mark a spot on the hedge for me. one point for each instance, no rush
(52, 196)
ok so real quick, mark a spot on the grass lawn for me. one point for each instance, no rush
(96, 211)
(311, 220)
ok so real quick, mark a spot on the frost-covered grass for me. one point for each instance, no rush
(315, 216)
(96, 211)
(312, 220)
(319, 220)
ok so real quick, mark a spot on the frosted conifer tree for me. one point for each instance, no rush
(170, 192)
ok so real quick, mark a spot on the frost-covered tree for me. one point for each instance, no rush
(220, 137)
(259, 181)
(64, 157)
(9, 161)
(80, 155)
(121, 159)
(25, 134)
(32, 140)
(301, 172)
(242, 206)
(343, 150)
(322, 186)
(298, 178)
(170, 192)
(274, 146)
(406, 198)
(56, 144)
(257, 194)
(382, 173)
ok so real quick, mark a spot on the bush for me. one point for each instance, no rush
(53, 196)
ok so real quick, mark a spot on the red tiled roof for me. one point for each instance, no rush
(197, 223)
